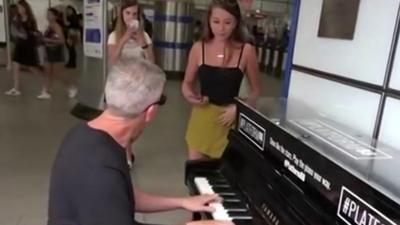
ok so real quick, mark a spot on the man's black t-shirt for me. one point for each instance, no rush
(90, 182)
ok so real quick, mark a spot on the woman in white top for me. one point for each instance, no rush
(129, 40)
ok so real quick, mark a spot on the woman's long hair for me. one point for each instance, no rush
(120, 27)
(56, 14)
(74, 13)
(31, 21)
(233, 8)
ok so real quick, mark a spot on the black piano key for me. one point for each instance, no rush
(242, 222)
(234, 205)
(239, 214)
(219, 181)
(217, 189)
(221, 185)
(215, 175)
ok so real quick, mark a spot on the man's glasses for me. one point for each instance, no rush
(161, 101)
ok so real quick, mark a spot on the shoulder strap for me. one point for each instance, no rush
(202, 52)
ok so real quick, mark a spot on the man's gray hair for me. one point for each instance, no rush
(132, 86)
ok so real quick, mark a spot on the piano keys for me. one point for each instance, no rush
(231, 208)
(274, 171)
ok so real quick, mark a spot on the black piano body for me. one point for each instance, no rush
(289, 169)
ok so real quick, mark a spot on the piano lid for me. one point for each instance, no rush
(369, 160)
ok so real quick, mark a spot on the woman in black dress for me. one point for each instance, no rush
(25, 52)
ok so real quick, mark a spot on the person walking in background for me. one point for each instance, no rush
(71, 22)
(13, 15)
(54, 41)
(197, 31)
(219, 62)
(12, 22)
(25, 51)
(80, 23)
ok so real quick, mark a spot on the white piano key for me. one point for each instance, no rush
(203, 186)
(220, 213)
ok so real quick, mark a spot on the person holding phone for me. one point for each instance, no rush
(129, 40)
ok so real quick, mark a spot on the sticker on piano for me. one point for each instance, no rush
(341, 141)
(355, 211)
(252, 131)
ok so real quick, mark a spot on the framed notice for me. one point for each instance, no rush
(2, 23)
(338, 19)
(93, 28)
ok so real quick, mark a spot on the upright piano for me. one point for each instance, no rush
(287, 165)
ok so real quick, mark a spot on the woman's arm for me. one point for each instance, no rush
(189, 81)
(149, 53)
(148, 203)
(253, 73)
(145, 41)
(114, 48)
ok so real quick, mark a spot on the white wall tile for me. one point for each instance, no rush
(347, 105)
(390, 128)
(363, 58)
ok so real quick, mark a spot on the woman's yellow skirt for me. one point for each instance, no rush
(204, 133)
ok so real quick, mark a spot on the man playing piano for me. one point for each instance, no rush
(90, 181)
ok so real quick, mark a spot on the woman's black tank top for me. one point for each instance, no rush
(220, 84)
(52, 34)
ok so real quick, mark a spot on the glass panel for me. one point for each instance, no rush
(338, 142)
(336, 101)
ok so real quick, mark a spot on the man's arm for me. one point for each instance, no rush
(151, 203)
(104, 199)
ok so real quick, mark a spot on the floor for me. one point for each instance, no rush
(31, 130)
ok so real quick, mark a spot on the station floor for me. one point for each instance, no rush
(31, 131)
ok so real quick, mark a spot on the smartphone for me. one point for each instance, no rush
(134, 24)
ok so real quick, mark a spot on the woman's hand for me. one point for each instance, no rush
(194, 98)
(138, 36)
(128, 35)
(228, 116)
(197, 100)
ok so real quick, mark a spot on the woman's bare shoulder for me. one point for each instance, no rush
(196, 47)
